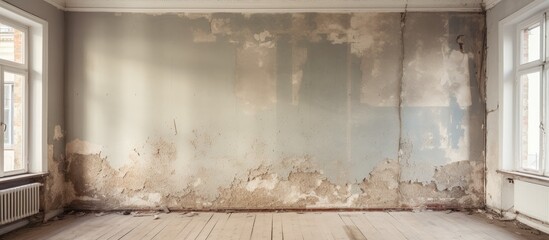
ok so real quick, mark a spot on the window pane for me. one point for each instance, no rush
(530, 120)
(531, 43)
(14, 121)
(12, 44)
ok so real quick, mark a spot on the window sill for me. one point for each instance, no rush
(531, 178)
(22, 177)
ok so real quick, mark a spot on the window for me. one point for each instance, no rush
(13, 75)
(23, 75)
(531, 91)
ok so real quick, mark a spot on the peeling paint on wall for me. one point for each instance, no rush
(55, 184)
(270, 111)
(78, 146)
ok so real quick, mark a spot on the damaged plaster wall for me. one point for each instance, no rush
(268, 111)
(53, 197)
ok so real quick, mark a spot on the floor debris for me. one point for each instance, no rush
(100, 214)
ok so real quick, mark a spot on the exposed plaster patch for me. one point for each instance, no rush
(201, 36)
(457, 76)
(78, 146)
(56, 196)
(333, 26)
(137, 201)
(140, 185)
(462, 174)
(268, 183)
(380, 189)
(302, 189)
(265, 39)
(91, 175)
(462, 151)
(361, 35)
(220, 26)
(194, 16)
(57, 133)
(197, 183)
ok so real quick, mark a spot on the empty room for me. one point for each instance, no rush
(274, 119)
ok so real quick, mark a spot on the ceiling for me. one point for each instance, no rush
(271, 5)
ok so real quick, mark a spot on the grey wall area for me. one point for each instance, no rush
(271, 111)
(53, 197)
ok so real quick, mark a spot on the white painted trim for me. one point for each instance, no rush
(536, 224)
(533, 223)
(525, 12)
(59, 4)
(273, 6)
(526, 177)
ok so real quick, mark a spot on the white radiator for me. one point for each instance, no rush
(532, 200)
(19, 202)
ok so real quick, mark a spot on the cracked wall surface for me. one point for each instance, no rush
(271, 111)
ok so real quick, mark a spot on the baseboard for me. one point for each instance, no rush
(13, 226)
(404, 209)
(533, 223)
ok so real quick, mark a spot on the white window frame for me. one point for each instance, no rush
(13, 67)
(538, 18)
(24, 148)
(521, 69)
(25, 29)
(36, 66)
(510, 70)
(518, 146)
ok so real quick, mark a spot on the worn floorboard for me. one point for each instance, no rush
(278, 226)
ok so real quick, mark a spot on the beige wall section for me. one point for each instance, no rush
(496, 185)
(56, 23)
(214, 111)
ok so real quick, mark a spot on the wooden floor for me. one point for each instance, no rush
(277, 226)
